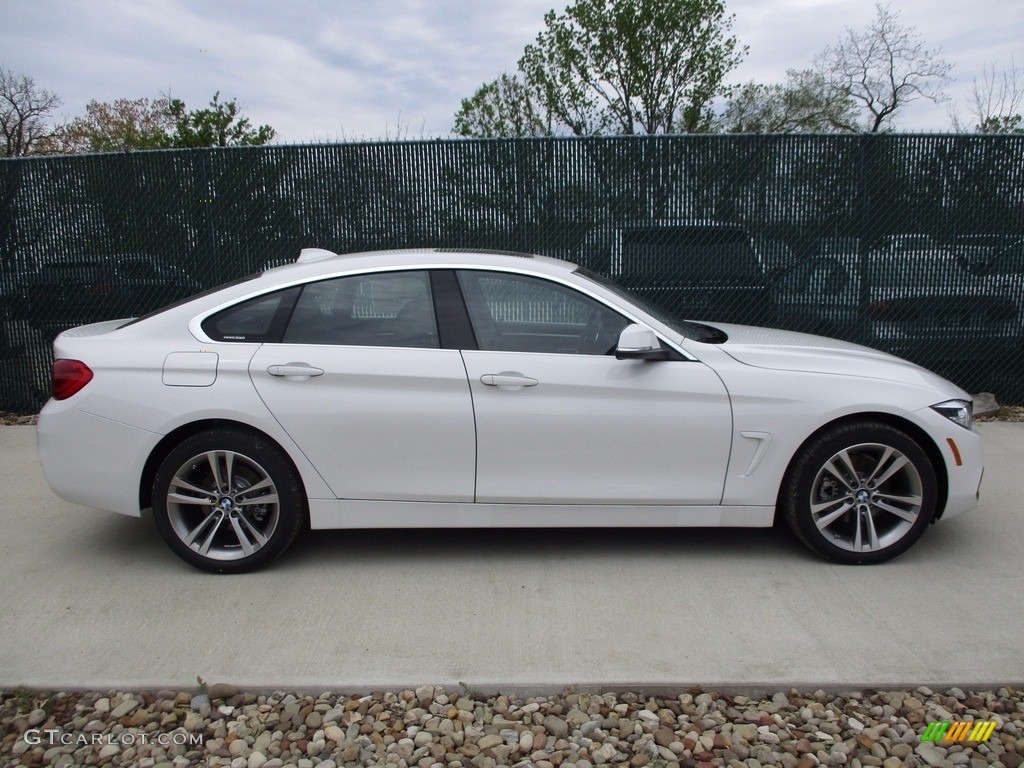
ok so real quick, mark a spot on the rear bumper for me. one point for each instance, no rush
(90, 460)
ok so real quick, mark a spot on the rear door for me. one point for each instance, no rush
(363, 387)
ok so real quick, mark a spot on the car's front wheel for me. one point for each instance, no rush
(228, 501)
(860, 493)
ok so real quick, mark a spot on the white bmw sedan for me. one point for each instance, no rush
(430, 388)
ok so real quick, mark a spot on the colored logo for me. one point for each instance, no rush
(959, 730)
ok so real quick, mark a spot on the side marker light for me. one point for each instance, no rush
(956, 452)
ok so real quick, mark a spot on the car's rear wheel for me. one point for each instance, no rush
(860, 493)
(228, 501)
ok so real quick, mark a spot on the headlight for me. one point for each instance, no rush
(959, 411)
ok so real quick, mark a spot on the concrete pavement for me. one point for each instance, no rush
(94, 600)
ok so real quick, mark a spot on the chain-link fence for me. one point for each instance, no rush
(913, 244)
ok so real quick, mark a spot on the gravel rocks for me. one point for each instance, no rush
(8, 419)
(1005, 413)
(430, 727)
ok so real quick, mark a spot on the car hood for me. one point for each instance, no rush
(791, 351)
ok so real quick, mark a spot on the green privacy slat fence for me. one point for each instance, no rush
(914, 244)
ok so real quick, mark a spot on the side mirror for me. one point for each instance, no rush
(638, 342)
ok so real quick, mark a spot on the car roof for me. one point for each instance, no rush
(326, 265)
(320, 263)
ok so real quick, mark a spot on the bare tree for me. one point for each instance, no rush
(885, 67)
(23, 109)
(997, 102)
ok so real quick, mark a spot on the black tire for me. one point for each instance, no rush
(860, 493)
(237, 502)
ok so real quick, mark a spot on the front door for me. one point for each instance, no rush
(560, 420)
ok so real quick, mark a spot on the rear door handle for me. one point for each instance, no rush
(295, 371)
(508, 380)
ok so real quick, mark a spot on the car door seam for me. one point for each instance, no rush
(476, 430)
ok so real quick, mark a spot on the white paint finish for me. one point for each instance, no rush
(127, 389)
(190, 369)
(965, 478)
(786, 397)
(596, 430)
(407, 424)
(381, 422)
(307, 255)
(763, 441)
(790, 351)
(92, 460)
(411, 514)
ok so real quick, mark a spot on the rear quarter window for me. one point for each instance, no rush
(259, 319)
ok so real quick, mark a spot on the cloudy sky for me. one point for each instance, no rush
(330, 70)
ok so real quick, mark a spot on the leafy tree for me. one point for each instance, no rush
(1002, 124)
(23, 111)
(139, 124)
(507, 106)
(125, 124)
(219, 125)
(884, 67)
(806, 103)
(612, 66)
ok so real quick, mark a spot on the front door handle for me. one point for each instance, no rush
(508, 380)
(295, 371)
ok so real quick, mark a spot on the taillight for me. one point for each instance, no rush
(69, 376)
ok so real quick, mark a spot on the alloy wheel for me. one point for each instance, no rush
(866, 497)
(223, 505)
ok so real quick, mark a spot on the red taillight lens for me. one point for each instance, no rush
(69, 376)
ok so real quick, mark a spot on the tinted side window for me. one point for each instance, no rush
(259, 319)
(515, 313)
(387, 309)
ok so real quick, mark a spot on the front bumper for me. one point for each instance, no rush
(964, 461)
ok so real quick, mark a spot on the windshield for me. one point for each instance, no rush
(687, 328)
